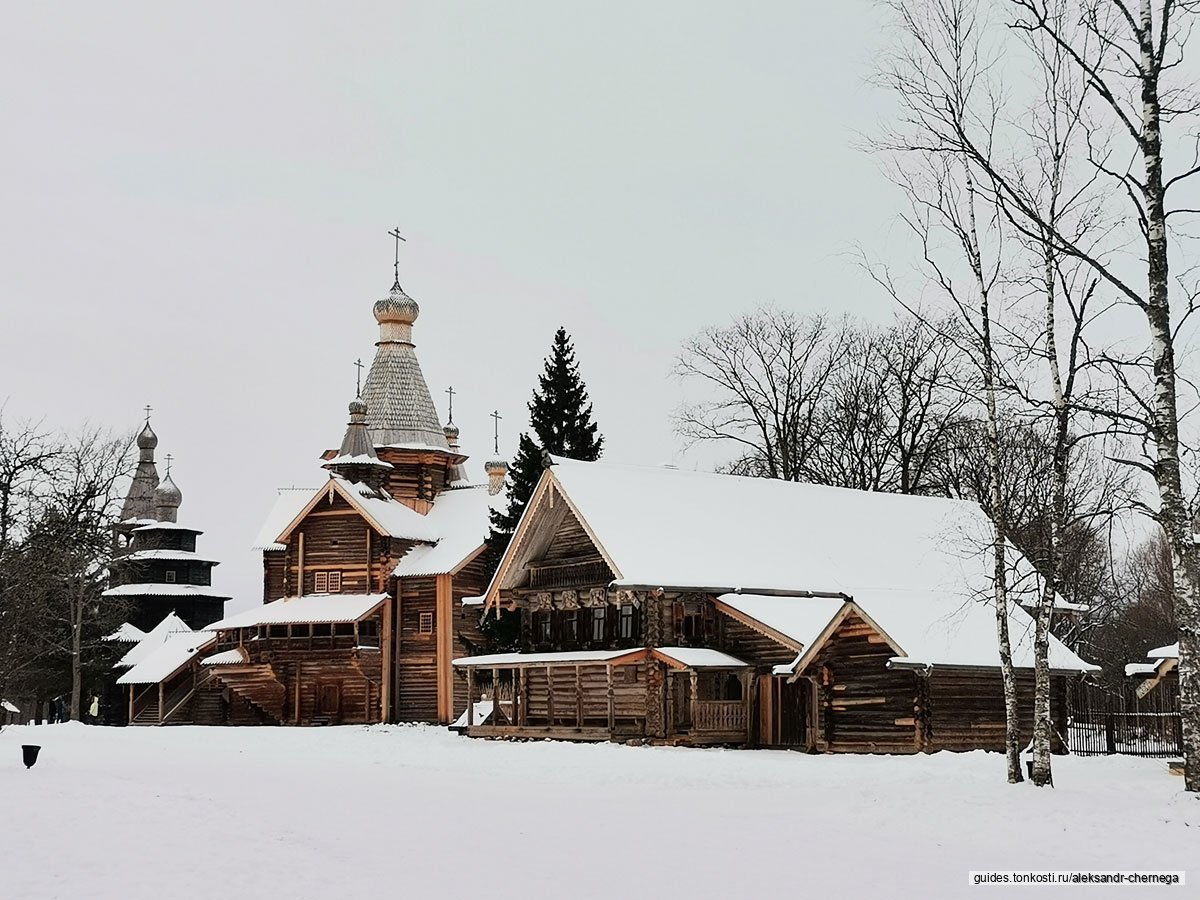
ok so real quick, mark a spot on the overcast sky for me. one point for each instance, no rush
(195, 206)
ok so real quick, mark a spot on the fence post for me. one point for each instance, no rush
(1110, 733)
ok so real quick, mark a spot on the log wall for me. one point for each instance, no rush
(966, 708)
(863, 707)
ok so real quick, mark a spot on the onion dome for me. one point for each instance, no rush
(497, 471)
(397, 307)
(167, 498)
(358, 407)
(147, 439)
(451, 432)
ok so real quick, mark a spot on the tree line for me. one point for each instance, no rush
(58, 501)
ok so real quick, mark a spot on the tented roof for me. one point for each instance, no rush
(126, 634)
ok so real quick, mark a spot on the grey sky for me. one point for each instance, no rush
(196, 204)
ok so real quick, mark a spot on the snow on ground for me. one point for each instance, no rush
(151, 813)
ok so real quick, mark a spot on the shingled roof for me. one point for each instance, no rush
(400, 410)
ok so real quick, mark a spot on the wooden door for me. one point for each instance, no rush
(329, 701)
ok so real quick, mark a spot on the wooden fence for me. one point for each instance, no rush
(1108, 722)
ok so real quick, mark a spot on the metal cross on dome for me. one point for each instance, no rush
(149, 410)
(170, 458)
(450, 390)
(496, 417)
(358, 364)
(395, 232)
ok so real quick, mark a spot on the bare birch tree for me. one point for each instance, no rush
(941, 72)
(1129, 59)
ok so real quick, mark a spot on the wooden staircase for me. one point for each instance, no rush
(257, 685)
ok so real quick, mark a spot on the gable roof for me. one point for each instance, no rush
(168, 657)
(154, 638)
(384, 513)
(287, 505)
(460, 518)
(918, 567)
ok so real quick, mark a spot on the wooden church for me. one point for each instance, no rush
(363, 576)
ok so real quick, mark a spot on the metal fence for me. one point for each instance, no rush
(1108, 722)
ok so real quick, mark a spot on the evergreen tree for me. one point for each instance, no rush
(560, 417)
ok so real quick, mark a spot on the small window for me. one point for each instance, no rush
(170, 576)
(541, 627)
(368, 628)
(320, 582)
(628, 619)
(570, 626)
(278, 631)
(335, 582)
(425, 624)
(599, 620)
(322, 630)
(343, 628)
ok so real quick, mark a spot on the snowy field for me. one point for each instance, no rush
(413, 812)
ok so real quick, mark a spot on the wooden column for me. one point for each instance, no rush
(496, 696)
(578, 697)
(524, 698)
(749, 681)
(470, 696)
(300, 565)
(444, 643)
(612, 712)
(385, 637)
(131, 704)
(695, 684)
(162, 688)
(670, 702)
(549, 696)
(296, 688)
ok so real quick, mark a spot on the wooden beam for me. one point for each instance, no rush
(300, 566)
(470, 696)
(612, 713)
(695, 685)
(385, 699)
(444, 622)
(162, 687)
(578, 697)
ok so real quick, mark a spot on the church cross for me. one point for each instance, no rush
(169, 458)
(149, 409)
(496, 417)
(450, 390)
(358, 364)
(395, 232)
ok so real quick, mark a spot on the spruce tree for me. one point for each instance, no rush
(560, 417)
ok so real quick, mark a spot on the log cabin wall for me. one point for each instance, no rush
(415, 475)
(862, 705)
(966, 708)
(416, 672)
(753, 646)
(274, 570)
(471, 581)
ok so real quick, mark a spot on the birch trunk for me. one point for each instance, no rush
(1012, 724)
(1173, 512)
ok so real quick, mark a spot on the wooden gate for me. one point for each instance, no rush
(1108, 722)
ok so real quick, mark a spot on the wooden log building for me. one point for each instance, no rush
(682, 607)
(363, 577)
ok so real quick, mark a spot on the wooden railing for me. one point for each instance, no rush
(726, 716)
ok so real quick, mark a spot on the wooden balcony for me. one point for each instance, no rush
(720, 716)
(569, 576)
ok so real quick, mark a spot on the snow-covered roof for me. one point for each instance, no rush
(461, 519)
(799, 619)
(168, 657)
(483, 712)
(564, 657)
(288, 503)
(8, 707)
(163, 590)
(700, 658)
(170, 624)
(316, 609)
(386, 514)
(233, 657)
(126, 634)
(358, 459)
(1171, 651)
(168, 526)
(181, 555)
(1132, 669)
(920, 567)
